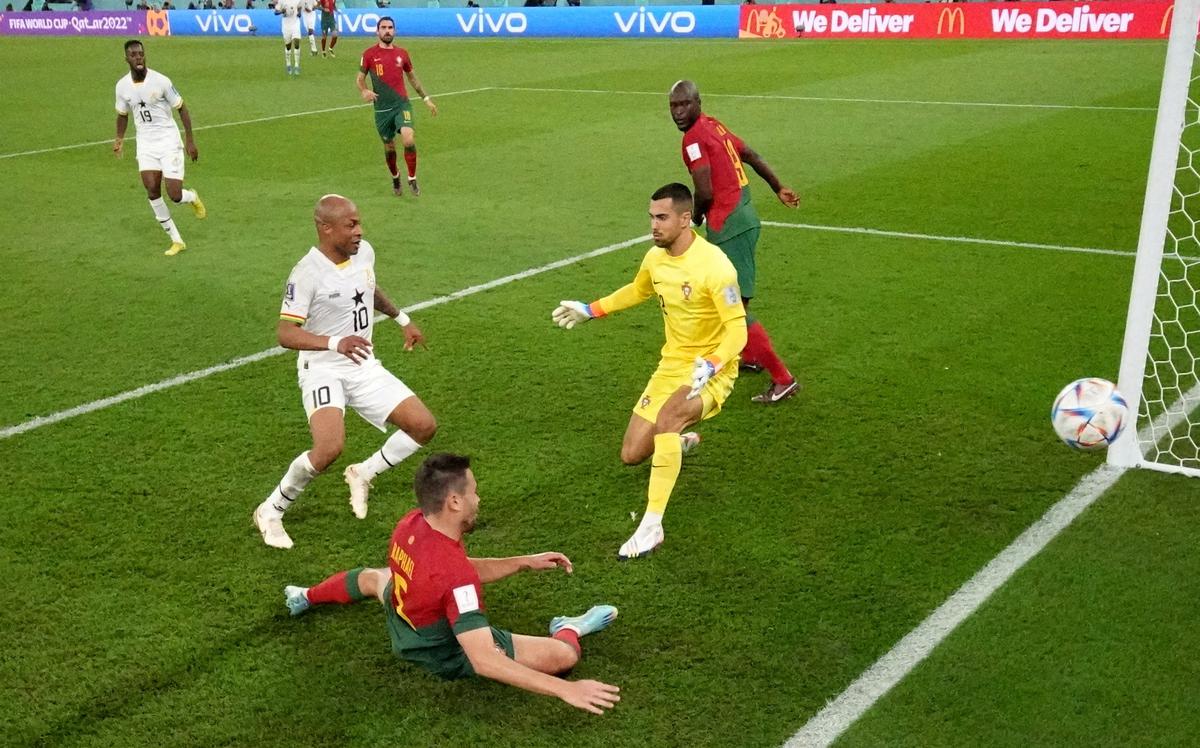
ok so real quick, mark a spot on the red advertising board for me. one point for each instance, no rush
(1149, 19)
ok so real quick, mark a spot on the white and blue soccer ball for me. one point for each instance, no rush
(1089, 414)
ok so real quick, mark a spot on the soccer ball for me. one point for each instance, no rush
(1089, 414)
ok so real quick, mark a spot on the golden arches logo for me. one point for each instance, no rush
(765, 24)
(157, 23)
(1166, 20)
(948, 16)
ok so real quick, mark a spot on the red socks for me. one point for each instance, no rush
(341, 588)
(391, 162)
(563, 635)
(759, 350)
(410, 158)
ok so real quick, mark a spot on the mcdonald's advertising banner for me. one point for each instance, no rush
(1149, 19)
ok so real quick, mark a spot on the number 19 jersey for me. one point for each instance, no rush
(329, 299)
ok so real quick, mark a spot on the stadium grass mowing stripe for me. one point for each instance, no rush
(838, 715)
(63, 415)
(256, 120)
(90, 407)
(846, 100)
(958, 239)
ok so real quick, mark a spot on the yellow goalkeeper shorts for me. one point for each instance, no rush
(669, 377)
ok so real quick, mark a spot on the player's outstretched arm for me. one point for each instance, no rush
(412, 334)
(493, 569)
(785, 194)
(570, 313)
(488, 662)
(296, 338)
(189, 142)
(119, 140)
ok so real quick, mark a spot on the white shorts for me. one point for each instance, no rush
(310, 20)
(291, 30)
(372, 391)
(165, 156)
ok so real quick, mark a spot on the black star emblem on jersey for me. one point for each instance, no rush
(142, 104)
(358, 297)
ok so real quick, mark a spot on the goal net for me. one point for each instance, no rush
(1160, 360)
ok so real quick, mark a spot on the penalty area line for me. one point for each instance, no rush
(176, 381)
(955, 239)
(256, 120)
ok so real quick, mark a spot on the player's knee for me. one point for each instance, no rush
(566, 658)
(325, 454)
(423, 431)
(632, 454)
(153, 193)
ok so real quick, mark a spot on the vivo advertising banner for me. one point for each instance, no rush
(613, 22)
(1147, 19)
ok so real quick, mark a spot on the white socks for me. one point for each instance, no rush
(298, 475)
(650, 518)
(398, 446)
(189, 196)
(163, 214)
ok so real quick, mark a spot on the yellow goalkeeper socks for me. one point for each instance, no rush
(664, 471)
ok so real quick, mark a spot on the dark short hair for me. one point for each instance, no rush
(439, 475)
(680, 195)
(134, 43)
(385, 18)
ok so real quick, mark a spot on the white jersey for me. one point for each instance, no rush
(151, 104)
(289, 9)
(308, 7)
(329, 299)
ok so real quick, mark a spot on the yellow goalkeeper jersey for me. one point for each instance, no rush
(697, 293)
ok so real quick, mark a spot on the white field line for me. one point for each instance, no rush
(62, 415)
(958, 239)
(256, 120)
(838, 715)
(843, 100)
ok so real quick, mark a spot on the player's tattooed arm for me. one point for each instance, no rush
(416, 84)
(785, 194)
(384, 305)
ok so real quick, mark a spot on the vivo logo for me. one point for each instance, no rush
(365, 22)
(483, 23)
(678, 21)
(225, 22)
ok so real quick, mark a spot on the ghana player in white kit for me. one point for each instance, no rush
(151, 99)
(290, 10)
(328, 314)
(308, 12)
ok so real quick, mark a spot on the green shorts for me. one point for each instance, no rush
(328, 23)
(446, 660)
(740, 251)
(390, 122)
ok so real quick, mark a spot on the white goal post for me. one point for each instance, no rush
(1160, 359)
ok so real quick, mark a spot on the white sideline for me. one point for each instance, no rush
(958, 239)
(838, 715)
(842, 100)
(148, 389)
(226, 124)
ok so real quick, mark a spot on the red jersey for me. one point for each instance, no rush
(387, 67)
(435, 589)
(328, 6)
(709, 143)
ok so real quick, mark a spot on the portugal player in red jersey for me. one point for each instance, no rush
(387, 65)
(432, 594)
(716, 158)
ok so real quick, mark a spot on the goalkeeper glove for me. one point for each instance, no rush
(570, 313)
(701, 373)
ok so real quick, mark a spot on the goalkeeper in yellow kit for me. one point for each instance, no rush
(705, 327)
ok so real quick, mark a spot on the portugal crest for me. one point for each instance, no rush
(687, 291)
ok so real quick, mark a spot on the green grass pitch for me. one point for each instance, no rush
(140, 607)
